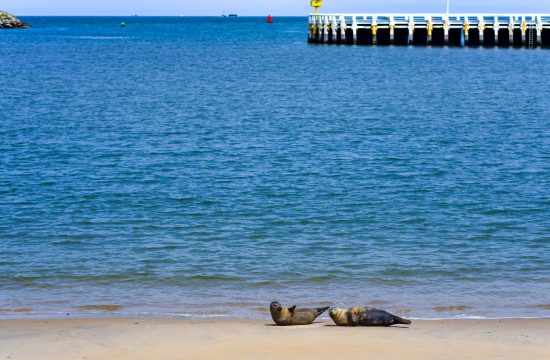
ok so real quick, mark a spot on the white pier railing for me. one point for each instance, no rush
(520, 30)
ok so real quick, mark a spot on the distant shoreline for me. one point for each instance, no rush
(8, 21)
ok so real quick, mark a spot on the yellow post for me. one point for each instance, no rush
(316, 4)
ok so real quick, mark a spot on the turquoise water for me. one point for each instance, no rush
(205, 167)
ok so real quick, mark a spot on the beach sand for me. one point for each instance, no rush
(255, 339)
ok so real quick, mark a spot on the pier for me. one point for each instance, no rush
(504, 30)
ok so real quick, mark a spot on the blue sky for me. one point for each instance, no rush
(260, 7)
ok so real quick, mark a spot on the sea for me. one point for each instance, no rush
(206, 166)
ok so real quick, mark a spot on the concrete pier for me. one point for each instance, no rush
(505, 30)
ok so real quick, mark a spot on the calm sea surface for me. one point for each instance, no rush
(206, 166)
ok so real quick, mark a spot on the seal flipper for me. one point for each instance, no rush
(399, 320)
(292, 308)
(322, 310)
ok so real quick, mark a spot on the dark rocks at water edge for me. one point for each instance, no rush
(8, 21)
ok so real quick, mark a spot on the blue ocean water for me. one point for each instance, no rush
(207, 166)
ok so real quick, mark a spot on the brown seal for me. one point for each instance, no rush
(365, 316)
(293, 316)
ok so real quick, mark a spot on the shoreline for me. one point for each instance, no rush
(257, 312)
(147, 338)
(246, 310)
(214, 316)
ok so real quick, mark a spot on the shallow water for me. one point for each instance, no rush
(205, 166)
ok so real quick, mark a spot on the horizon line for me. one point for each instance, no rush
(138, 15)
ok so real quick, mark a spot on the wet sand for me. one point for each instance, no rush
(253, 339)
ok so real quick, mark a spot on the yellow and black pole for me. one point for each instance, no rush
(316, 4)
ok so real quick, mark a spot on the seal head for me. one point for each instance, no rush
(339, 316)
(281, 316)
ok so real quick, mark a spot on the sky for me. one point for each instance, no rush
(263, 7)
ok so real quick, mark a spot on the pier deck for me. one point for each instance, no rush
(503, 30)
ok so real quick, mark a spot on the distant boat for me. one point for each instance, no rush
(233, 15)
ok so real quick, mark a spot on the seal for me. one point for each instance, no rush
(293, 316)
(365, 316)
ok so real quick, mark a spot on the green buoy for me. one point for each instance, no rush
(123, 24)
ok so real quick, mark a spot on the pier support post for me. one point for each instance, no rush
(328, 30)
(511, 31)
(392, 30)
(539, 31)
(523, 31)
(322, 30)
(446, 30)
(430, 29)
(466, 32)
(343, 30)
(496, 27)
(310, 31)
(354, 27)
(481, 31)
(334, 29)
(374, 30)
(411, 30)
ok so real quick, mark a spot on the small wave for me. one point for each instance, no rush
(183, 199)
(17, 311)
(441, 309)
(208, 202)
(379, 302)
(157, 248)
(467, 317)
(98, 37)
(214, 278)
(197, 279)
(201, 313)
(404, 311)
(539, 307)
(262, 284)
(325, 303)
(68, 242)
(3, 263)
(105, 308)
(321, 278)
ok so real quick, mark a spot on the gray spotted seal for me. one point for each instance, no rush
(293, 316)
(365, 316)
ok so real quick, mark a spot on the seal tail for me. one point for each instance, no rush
(399, 320)
(322, 310)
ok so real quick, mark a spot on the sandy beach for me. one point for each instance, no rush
(252, 339)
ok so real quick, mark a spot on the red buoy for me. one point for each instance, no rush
(270, 19)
